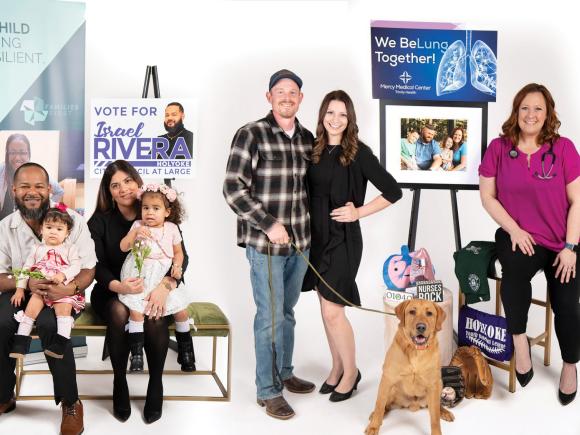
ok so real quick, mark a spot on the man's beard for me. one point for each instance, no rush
(177, 127)
(36, 214)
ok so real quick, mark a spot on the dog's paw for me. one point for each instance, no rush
(371, 430)
(446, 415)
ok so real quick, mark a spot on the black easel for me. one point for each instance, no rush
(151, 73)
(415, 217)
(151, 76)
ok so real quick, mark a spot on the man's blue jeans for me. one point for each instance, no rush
(287, 276)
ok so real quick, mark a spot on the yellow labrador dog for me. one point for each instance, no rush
(412, 369)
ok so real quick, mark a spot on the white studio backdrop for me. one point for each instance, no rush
(223, 52)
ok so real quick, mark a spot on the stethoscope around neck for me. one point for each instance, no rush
(545, 175)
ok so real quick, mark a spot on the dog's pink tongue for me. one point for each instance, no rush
(420, 342)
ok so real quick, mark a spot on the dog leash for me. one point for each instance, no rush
(347, 302)
(277, 380)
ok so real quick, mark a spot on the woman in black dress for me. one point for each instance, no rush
(337, 180)
(117, 209)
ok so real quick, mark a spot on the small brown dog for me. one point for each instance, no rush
(412, 369)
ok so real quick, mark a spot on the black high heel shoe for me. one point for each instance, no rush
(153, 402)
(151, 416)
(327, 388)
(339, 397)
(121, 403)
(122, 414)
(564, 398)
(525, 378)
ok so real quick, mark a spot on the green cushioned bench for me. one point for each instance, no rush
(209, 320)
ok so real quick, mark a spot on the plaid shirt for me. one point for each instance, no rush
(266, 183)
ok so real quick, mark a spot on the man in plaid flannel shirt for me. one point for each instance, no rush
(265, 185)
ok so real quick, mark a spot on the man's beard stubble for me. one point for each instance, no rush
(175, 129)
(33, 213)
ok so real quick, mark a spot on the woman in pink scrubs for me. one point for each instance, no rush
(530, 185)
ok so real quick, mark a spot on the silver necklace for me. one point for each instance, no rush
(332, 148)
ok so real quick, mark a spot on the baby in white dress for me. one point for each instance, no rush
(154, 246)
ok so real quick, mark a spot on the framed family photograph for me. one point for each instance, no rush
(433, 145)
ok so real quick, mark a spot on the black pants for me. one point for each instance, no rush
(116, 315)
(63, 370)
(518, 270)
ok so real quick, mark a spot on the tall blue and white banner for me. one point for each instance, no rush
(42, 85)
(157, 136)
(431, 64)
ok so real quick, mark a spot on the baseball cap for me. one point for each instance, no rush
(284, 74)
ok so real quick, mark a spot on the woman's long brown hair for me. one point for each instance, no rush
(349, 143)
(511, 129)
(455, 146)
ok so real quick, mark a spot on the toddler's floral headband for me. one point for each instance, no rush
(169, 193)
(61, 206)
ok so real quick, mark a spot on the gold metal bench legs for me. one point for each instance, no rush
(225, 390)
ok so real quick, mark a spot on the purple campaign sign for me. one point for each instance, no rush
(488, 332)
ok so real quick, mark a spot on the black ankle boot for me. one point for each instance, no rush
(57, 346)
(136, 341)
(20, 346)
(185, 354)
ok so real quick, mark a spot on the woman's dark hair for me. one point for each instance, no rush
(8, 171)
(104, 199)
(176, 210)
(349, 143)
(457, 146)
(54, 214)
(511, 129)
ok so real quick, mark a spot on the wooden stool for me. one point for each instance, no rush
(543, 339)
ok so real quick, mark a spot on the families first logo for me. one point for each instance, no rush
(134, 130)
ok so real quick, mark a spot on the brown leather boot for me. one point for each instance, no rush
(8, 406)
(297, 385)
(72, 419)
(277, 407)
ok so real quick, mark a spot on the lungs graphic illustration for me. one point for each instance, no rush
(452, 71)
(483, 68)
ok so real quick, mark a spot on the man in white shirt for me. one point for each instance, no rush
(19, 232)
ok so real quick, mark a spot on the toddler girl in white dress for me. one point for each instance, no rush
(156, 234)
